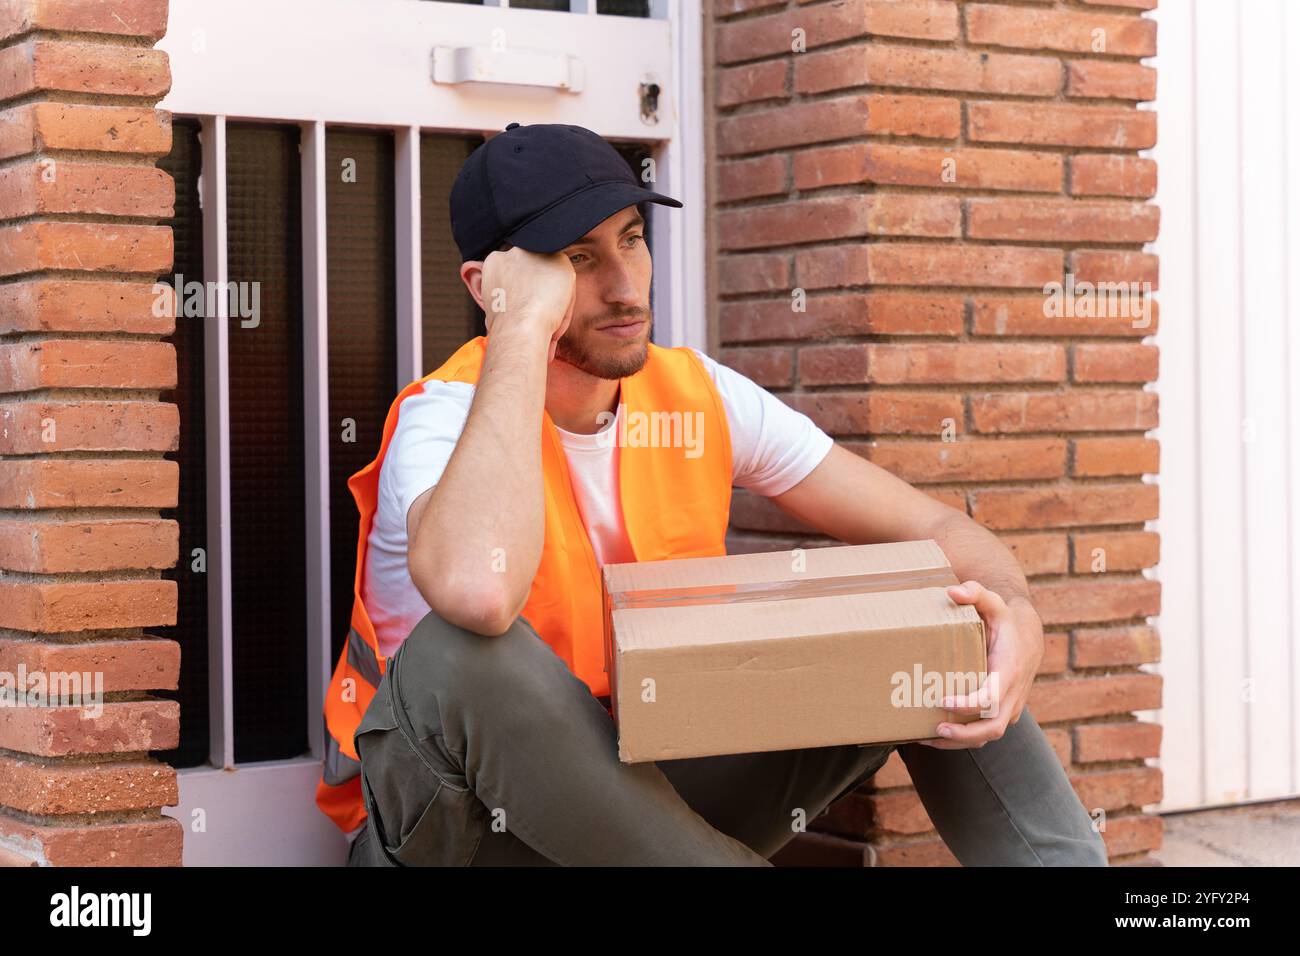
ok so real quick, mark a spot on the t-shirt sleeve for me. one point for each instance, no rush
(428, 426)
(773, 447)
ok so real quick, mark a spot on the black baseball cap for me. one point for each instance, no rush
(540, 187)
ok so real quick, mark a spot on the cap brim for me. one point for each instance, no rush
(574, 216)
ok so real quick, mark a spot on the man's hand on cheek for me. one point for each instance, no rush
(529, 292)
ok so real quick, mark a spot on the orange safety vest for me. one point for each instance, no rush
(675, 502)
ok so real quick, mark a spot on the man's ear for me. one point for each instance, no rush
(471, 273)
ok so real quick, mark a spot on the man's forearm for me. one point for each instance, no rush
(480, 538)
(976, 554)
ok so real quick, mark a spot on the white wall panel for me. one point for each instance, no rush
(1230, 427)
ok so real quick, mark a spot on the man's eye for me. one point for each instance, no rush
(635, 237)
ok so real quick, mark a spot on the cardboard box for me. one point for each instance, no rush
(807, 648)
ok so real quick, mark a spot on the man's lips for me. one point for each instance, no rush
(626, 329)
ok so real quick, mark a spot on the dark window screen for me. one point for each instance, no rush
(267, 467)
(450, 315)
(360, 241)
(267, 528)
(624, 8)
(191, 513)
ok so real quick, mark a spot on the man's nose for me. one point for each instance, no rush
(618, 286)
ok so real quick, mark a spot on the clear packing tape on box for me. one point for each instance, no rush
(780, 590)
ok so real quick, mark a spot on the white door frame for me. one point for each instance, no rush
(371, 63)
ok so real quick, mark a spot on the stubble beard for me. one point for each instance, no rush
(609, 364)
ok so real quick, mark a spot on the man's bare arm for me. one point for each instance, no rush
(475, 538)
(858, 502)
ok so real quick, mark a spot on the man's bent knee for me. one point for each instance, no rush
(513, 670)
(450, 657)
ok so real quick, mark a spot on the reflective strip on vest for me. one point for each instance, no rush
(362, 658)
(339, 767)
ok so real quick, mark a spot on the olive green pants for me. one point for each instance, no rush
(488, 751)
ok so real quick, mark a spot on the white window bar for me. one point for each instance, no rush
(216, 401)
(316, 429)
(410, 326)
(679, 233)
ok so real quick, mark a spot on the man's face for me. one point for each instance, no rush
(609, 334)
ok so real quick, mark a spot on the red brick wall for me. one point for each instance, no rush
(921, 170)
(82, 473)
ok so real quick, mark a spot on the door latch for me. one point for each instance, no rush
(650, 102)
(484, 64)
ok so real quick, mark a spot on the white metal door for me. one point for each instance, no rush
(410, 66)
(1229, 155)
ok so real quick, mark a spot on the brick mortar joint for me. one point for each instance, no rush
(41, 336)
(117, 698)
(104, 159)
(141, 41)
(83, 218)
(123, 576)
(60, 97)
(90, 395)
(71, 821)
(110, 761)
(85, 515)
(958, 193)
(103, 455)
(80, 639)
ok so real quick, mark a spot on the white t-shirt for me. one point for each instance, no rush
(773, 449)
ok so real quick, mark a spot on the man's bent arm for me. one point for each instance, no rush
(476, 536)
